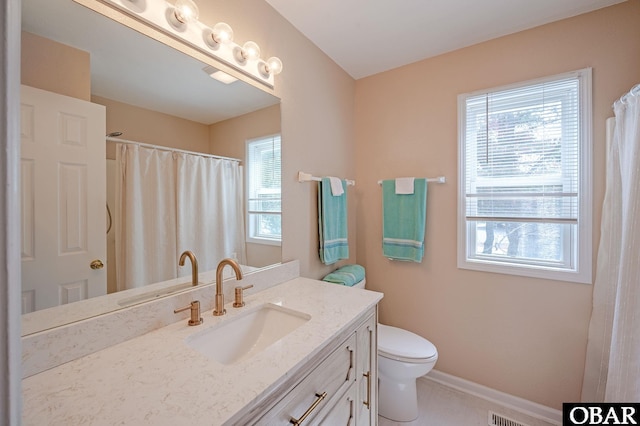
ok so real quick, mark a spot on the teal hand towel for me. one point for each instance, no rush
(403, 221)
(348, 275)
(332, 223)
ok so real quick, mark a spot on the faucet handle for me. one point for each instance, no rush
(195, 312)
(239, 303)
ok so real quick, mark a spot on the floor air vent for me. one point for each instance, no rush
(498, 420)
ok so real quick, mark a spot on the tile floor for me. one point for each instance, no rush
(443, 406)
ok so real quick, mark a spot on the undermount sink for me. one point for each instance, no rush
(249, 333)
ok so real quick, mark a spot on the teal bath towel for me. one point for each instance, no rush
(348, 275)
(332, 223)
(403, 221)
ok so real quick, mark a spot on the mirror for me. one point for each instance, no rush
(134, 75)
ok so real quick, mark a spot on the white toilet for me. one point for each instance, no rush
(402, 357)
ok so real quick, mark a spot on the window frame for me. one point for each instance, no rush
(250, 214)
(581, 272)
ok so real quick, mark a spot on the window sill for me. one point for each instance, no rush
(557, 274)
(264, 241)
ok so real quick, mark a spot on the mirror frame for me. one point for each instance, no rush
(10, 287)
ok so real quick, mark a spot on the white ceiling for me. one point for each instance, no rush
(366, 37)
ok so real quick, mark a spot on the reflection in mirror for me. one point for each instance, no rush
(147, 93)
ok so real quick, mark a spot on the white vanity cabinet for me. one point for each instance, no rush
(339, 387)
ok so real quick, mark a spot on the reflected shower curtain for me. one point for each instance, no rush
(210, 218)
(145, 216)
(612, 371)
(169, 202)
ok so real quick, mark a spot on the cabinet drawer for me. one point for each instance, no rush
(342, 413)
(333, 376)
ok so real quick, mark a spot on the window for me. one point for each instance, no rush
(525, 179)
(264, 201)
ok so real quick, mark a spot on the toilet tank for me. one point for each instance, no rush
(361, 284)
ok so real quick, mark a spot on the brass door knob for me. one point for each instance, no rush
(96, 264)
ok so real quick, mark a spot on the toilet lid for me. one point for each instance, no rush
(398, 343)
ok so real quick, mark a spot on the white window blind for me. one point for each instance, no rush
(522, 153)
(525, 174)
(264, 202)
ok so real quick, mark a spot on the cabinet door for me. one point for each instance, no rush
(367, 373)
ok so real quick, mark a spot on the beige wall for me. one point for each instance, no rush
(523, 336)
(55, 67)
(228, 138)
(144, 125)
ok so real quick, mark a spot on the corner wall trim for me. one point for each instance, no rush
(524, 406)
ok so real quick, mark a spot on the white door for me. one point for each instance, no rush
(63, 172)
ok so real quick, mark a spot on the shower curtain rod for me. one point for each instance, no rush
(164, 148)
(635, 90)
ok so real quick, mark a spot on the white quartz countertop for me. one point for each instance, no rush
(157, 379)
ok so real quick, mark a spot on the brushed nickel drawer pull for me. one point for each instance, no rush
(299, 421)
(368, 376)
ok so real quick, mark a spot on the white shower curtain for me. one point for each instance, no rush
(145, 216)
(169, 202)
(210, 218)
(612, 371)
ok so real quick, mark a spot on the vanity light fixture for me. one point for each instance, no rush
(186, 11)
(272, 66)
(219, 34)
(180, 21)
(249, 51)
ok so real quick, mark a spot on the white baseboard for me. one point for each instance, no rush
(524, 406)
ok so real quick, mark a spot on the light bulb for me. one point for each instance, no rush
(186, 11)
(274, 65)
(222, 33)
(250, 50)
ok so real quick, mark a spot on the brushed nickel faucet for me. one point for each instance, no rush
(194, 265)
(219, 306)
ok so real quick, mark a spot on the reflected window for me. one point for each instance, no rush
(264, 200)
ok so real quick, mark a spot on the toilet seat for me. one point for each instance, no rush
(405, 346)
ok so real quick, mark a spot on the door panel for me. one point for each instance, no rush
(63, 199)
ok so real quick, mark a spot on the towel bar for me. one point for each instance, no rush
(307, 177)
(439, 179)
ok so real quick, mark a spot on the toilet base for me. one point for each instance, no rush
(398, 399)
